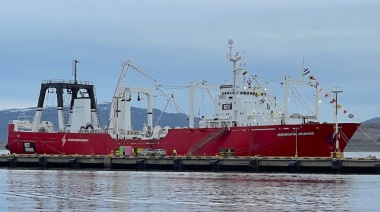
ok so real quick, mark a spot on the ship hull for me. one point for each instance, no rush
(308, 140)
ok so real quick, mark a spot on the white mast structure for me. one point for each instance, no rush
(194, 86)
(335, 92)
(233, 59)
(120, 91)
(314, 83)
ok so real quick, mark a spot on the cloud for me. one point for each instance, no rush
(182, 41)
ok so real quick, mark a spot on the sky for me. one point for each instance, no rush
(181, 41)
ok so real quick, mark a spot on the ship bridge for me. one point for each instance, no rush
(245, 102)
(243, 106)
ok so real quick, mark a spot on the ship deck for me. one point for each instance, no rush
(332, 165)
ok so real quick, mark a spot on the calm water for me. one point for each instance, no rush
(89, 190)
(64, 190)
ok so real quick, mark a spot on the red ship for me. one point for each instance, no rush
(247, 121)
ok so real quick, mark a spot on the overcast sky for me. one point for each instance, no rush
(181, 41)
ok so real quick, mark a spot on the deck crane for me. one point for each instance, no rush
(119, 88)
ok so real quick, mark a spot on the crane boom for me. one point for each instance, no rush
(141, 71)
(118, 89)
(114, 98)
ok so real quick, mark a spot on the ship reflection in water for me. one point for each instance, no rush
(62, 190)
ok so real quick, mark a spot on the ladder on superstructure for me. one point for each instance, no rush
(206, 140)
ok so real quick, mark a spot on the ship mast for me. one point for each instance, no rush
(335, 92)
(233, 59)
(75, 70)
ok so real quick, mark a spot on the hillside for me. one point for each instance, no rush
(366, 139)
(372, 121)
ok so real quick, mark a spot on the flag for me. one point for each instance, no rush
(249, 82)
(351, 116)
(332, 101)
(305, 71)
(312, 77)
(344, 111)
(321, 89)
(339, 106)
(245, 72)
(327, 95)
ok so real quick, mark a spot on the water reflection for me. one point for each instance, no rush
(59, 190)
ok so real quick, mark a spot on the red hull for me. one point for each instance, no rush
(312, 140)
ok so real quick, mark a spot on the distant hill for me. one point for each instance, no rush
(372, 121)
(365, 139)
(138, 117)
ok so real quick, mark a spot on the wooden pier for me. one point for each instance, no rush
(341, 165)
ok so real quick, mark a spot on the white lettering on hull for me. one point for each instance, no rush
(64, 140)
(77, 139)
(294, 134)
(29, 147)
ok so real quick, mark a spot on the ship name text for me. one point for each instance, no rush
(294, 134)
(77, 140)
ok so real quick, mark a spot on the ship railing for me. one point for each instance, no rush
(130, 132)
(22, 129)
(67, 81)
(82, 131)
(26, 123)
(89, 131)
(299, 116)
(20, 122)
